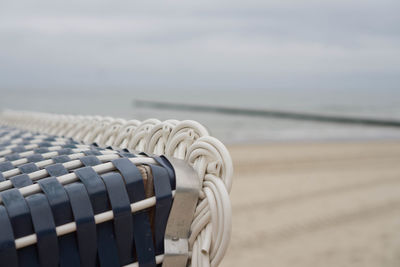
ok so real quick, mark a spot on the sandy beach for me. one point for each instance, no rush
(316, 204)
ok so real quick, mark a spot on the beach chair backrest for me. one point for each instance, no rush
(99, 191)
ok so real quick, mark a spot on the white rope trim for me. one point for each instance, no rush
(187, 140)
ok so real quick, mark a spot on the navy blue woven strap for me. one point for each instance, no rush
(107, 248)
(45, 229)
(122, 215)
(162, 189)
(21, 180)
(85, 224)
(90, 161)
(12, 157)
(5, 143)
(18, 149)
(70, 145)
(56, 169)
(45, 144)
(62, 213)
(35, 158)
(41, 150)
(50, 138)
(126, 154)
(28, 168)
(61, 159)
(143, 236)
(164, 162)
(65, 151)
(8, 252)
(21, 222)
(92, 152)
(6, 166)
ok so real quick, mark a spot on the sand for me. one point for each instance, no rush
(320, 204)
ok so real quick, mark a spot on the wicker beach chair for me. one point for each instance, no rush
(99, 191)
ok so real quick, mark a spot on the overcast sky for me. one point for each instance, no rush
(208, 44)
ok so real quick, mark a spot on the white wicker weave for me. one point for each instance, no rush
(187, 140)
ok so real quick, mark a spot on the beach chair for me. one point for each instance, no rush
(99, 191)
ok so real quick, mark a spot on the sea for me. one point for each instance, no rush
(231, 129)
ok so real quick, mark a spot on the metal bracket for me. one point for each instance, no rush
(176, 242)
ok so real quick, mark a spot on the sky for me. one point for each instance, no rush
(200, 45)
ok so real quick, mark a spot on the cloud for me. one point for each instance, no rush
(208, 44)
